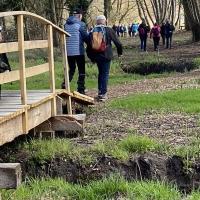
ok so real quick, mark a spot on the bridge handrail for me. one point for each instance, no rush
(23, 73)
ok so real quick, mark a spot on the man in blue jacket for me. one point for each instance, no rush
(75, 47)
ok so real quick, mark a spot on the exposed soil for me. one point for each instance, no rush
(140, 167)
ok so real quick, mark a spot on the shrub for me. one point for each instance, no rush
(149, 67)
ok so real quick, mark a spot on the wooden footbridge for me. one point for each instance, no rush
(22, 111)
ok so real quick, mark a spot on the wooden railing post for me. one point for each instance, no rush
(20, 29)
(51, 68)
(66, 71)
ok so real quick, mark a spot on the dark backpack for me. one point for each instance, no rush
(141, 31)
(156, 32)
(98, 39)
(172, 27)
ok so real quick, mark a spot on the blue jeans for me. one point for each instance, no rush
(104, 69)
(143, 43)
(169, 41)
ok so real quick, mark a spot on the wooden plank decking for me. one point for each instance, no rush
(10, 101)
(38, 110)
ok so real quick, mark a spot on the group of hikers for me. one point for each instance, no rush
(123, 30)
(165, 31)
(99, 48)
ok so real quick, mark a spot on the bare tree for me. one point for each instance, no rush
(192, 12)
(159, 10)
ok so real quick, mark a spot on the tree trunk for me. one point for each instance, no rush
(196, 32)
(107, 9)
(187, 24)
(191, 7)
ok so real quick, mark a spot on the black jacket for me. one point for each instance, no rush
(107, 54)
(146, 30)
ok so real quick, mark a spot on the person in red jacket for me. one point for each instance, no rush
(155, 33)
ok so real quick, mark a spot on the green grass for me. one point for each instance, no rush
(43, 150)
(117, 76)
(197, 61)
(194, 196)
(139, 144)
(128, 146)
(189, 151)
(185, 100)
(107, 188)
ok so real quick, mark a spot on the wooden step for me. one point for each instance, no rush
(78, 117)
(60, 123)
(77, 97)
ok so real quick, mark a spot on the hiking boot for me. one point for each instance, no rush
(103, 97)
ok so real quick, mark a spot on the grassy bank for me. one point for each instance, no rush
(110, 188)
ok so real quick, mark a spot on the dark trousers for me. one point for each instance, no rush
(104, 69)
(169, 42)
(143, 43)
(80, 62)
(163, 39)
(4, 59)
(156, 41)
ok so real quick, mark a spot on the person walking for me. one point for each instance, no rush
(162, 32)
(114, 27)
(130, 30)
(75, 48)
(169, 28)
(99, 50)
(134, 29)
(121, 30)
(118, 30)
(155, 32)
(143, 30)
(4, 63)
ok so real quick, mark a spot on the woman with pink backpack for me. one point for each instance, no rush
(155, 32)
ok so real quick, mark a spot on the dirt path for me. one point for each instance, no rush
(173, 128)
(177, 81)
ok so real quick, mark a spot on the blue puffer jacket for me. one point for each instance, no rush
(78, 32)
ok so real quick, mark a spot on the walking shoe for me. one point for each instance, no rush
(103, 97)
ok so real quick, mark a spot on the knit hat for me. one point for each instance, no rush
(101, 17)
